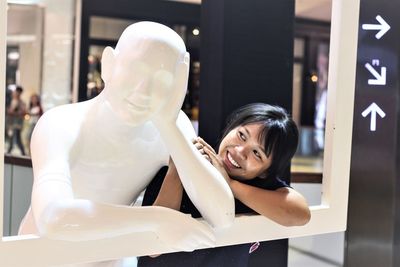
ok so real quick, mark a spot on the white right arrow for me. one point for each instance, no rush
(373, 109)
(383, 27)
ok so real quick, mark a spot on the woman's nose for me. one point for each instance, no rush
(241, 151)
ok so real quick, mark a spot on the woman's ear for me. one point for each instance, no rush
(107, 63)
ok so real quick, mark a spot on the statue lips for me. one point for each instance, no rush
(139, 103)
(138, 108)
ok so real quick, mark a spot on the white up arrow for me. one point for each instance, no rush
(373, 109)
(382, 27)
(380, 78)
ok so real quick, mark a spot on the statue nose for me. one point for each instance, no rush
(141, 93)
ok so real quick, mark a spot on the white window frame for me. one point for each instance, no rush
(330, 216)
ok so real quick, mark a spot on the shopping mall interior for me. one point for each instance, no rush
(240, 52)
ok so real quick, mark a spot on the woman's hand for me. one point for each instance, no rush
(200, 144)
(209, 153)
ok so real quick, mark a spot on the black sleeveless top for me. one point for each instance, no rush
(229, 256)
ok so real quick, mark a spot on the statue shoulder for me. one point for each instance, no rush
(61, 122)
(63, 115)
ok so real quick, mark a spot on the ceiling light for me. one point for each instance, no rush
(196, 31)
(13, 55)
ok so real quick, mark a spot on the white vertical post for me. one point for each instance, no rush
(77, 51)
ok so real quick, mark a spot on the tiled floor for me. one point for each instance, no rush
(299, 259)
(325, 250)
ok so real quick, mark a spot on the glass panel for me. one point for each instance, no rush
(106, 28)
(94, 82)
(321, 93)
(23, 72)
(297, 83)
(298, 47)
(39, 65)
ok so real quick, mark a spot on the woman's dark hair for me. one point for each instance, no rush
(279, 133)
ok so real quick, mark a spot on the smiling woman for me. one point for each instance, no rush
(266, 134)
(257, 146)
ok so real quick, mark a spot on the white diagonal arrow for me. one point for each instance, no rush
(383, 27)
(380, 78)
(373, 109)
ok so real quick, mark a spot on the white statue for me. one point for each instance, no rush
(92, 159)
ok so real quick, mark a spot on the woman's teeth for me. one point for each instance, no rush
(232, 161)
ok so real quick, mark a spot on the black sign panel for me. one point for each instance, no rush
(373, 193)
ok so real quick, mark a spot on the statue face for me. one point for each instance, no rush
(141, 74)
(143, 82)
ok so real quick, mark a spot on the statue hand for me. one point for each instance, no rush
(182, 232)
(170, 109)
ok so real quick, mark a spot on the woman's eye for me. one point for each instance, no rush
(241, 135)
(258, 155)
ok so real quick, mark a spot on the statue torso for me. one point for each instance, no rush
(116, 171)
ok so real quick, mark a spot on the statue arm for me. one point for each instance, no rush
(59, 215)
(204, 184)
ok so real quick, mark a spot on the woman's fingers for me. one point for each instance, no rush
(198, 145)
(207, 157)
(218, 164)
(200, 148)
(211, 154)
(204, 143)
(205, 149)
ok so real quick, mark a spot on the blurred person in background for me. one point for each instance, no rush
(16, 112)
(7, 123)
(35, 111)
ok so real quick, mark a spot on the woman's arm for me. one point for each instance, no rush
(170, 195)
(284, 205)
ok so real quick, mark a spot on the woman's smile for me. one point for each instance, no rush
(230, 162)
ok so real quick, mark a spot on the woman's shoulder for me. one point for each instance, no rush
(269, 183)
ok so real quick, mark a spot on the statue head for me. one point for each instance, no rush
(140, 75)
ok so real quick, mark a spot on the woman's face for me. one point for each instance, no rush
(243, 154)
